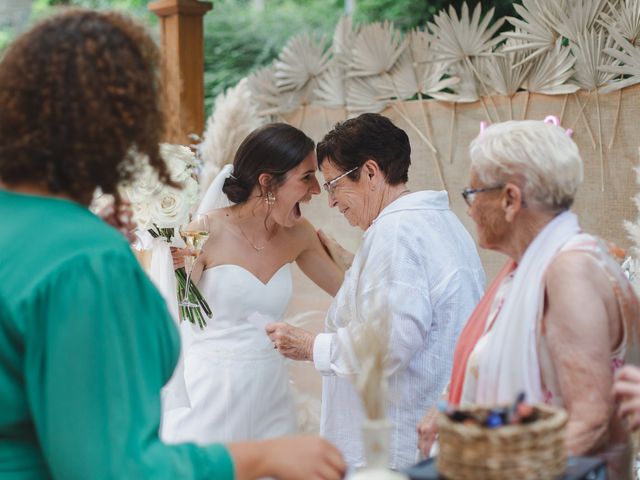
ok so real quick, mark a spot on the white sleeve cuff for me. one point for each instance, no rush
(322, 353)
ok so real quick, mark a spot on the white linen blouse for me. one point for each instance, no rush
(418, 260)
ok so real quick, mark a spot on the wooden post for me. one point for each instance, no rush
(183, 51)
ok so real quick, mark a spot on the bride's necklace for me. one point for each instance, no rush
(253, 245)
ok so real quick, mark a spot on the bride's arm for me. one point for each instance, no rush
(315, 262)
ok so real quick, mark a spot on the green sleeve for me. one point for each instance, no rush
(99, 348)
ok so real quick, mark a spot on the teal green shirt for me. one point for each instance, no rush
(86, 343)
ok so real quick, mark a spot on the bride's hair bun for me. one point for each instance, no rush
(273, 149)
(235, 190)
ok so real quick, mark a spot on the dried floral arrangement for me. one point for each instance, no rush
(370, 349)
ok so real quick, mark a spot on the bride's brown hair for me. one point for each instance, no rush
(275, 149)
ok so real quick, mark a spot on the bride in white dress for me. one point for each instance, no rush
(236, 383)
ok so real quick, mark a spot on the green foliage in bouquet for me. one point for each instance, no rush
(192, 314)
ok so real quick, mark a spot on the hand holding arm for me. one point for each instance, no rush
(292, 342)
(341, 256)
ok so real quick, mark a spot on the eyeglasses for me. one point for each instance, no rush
(469, 194)
(330, 186)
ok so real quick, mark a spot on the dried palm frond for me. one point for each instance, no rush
(591, 59)
(533, 29)
(300, 63)
(234, 116)
(628, 58)
(363, 96)
(589, 50)
(550, 73)
(271, 101)
(302, 59)
(262, 85)
(466, 89)
(465, 37)
(344, 37)
(507, 73)
(370, 346)
(417, 73)
(575, 18)
(332, 89)
(376, 49)
(507, 78)
(625, 19)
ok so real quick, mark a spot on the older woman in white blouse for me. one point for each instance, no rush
(416, 259)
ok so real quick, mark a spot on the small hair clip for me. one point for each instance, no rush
(553, 120)
(483, 126)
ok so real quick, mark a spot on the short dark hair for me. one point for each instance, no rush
(369, 136)
(275, 149)
(79, 95)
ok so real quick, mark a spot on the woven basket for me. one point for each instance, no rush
(525, 452)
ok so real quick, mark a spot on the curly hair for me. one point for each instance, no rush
(78, 99)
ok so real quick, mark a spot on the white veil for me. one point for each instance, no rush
(174, 393)
(214, 197)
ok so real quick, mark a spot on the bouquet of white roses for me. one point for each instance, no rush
(161, 210)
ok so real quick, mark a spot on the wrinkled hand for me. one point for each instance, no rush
(306, 458)
(427, 431)
(121, 220)
(178, 255)
(626, 390)
(292, 342)
(342, 257)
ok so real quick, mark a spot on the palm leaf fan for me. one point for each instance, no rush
(623, 23)
(234, 116)
(271, 101)
(332, 91)
(299, 64)
(551, 72)
(533, 31)
(466, 38)
(628, 57)
(376, 53)
(344, 37)
(375, 50)
(407, 78)
(362, 96)
(625, 20)
(589, 50)
(575, 17)
(262, 85)
(507, 73)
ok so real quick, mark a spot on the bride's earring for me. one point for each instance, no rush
(270, 198)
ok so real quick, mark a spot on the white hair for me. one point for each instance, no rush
(539, 154)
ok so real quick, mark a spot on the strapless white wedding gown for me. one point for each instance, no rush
(237, 384)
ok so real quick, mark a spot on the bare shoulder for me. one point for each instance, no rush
(217, 219)
(575, 281)
(303, 231)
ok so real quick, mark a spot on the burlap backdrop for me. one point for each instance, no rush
(600, 211)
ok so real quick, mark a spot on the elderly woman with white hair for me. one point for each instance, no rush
(561, 317)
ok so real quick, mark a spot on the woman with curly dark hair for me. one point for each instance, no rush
(80, 373)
